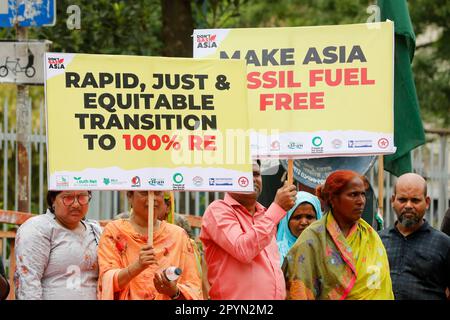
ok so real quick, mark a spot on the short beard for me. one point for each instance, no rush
(408, 222)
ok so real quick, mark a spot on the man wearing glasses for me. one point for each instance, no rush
(56, 252)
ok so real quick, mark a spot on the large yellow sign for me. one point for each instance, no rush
(313, 91)
(124, 122)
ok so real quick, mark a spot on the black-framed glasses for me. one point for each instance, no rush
(82, 199)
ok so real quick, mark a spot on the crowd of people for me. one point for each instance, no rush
(303, 246)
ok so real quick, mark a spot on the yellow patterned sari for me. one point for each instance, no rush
(323, 264)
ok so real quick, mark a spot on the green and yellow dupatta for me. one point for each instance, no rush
(323, 264)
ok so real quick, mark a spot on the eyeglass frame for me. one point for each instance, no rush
(63, 197)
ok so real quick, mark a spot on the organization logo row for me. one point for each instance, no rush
(177, 182)
(317, 144)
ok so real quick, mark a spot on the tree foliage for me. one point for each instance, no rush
(432, 59)
(163, 27)
(431, 64)
(107, 27)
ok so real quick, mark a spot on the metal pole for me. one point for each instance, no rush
(23, 114)
(41, 158)
(5, 171)
(443, 167)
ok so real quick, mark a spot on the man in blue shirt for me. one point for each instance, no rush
(419, 255)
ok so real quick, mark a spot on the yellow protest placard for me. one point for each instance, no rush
(124, 122)
(313, 91)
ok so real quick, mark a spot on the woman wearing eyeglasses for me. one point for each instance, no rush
(130, 269)
(56, 253)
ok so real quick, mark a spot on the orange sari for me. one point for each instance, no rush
(119, 247)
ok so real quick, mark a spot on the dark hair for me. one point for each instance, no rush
(167, 201)
(51, 196)
(312, 206)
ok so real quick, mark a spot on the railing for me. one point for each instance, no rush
(8, 238)
(16, 218)
(104, 204)
(430, 160)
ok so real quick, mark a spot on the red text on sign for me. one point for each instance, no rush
(296, 101)
(346, 77)
(206, 142)
(272, 79)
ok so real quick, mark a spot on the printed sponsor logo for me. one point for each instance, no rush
(383, 143)
(206, 41)
(113, 182)
(198, 181)
(220, 181)
(79, 181)
(360, 143)
(56, 63)
(136, 181)
(275, 145)
(62, 181)
(178, 187)
(243, 182)
(336, 143)
(156, 182)
(317, 141)
(317, 145)
(177, 178)
(295, 145)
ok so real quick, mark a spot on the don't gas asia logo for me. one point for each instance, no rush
(206, 41)
(56, 63)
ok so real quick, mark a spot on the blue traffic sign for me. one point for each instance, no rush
(27, 13)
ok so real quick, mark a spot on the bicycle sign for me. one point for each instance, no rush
(15, 67)
(22, 62)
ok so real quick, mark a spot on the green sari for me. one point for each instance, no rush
(324, 264)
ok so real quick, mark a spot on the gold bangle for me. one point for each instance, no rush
(128, 272)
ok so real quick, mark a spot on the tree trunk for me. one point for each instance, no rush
(177, 29)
